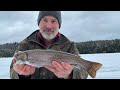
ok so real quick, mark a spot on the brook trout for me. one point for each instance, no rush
(39, 58)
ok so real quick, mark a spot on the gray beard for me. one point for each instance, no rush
(49, 37)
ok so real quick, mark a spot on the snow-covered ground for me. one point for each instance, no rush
(111, 65)
(5, 67)
(109, 70)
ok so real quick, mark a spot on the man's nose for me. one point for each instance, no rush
(49, 25)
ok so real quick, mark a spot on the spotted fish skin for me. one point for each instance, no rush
(40, 58)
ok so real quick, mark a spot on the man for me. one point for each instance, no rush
(48, 37)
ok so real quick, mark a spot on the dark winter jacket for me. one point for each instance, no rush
(60, 43)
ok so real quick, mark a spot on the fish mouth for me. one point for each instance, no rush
(22, 62)
(19, 62)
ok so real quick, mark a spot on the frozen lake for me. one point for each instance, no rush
(109, 70)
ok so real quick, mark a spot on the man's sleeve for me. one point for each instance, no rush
(13, 74)
(79, 71)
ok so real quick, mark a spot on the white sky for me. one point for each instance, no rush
(76, 25)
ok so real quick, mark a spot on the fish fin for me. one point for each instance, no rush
(75, 65)
(94, 68)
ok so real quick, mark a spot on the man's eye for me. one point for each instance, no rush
(53, 21)
(45, 20)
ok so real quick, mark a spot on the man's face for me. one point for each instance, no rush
(49, 27)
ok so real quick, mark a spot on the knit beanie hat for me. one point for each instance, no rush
(56, 14)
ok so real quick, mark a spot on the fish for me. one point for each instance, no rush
(41, 57)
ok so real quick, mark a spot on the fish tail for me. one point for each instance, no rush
(94, 68)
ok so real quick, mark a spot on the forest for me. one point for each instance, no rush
(88, 47)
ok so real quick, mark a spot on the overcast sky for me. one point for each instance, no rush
(78, 26)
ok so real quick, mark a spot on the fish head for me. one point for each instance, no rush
(20, 55)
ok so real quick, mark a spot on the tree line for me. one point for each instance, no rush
(100, 46)
(8, 49)
(88, 47)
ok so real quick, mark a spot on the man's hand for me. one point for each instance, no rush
(23, 69)
(61, 70)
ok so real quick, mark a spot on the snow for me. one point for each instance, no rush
(109, 70)
(111, 65)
